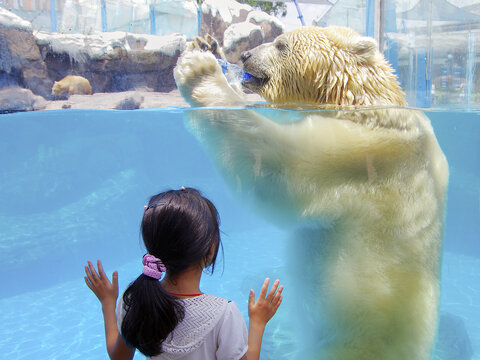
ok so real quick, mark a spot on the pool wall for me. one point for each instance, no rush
(72, 187)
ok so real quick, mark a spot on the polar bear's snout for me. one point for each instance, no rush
(257, 65)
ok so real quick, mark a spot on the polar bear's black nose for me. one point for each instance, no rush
(245, 55)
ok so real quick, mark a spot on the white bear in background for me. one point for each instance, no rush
(72, 85)
(363, 189)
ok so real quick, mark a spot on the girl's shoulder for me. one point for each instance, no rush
(204, 297)
(227, 314)
(211, 325)
(202, 314)
(207, 302)
(207, 305)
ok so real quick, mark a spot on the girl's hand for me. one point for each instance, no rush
(262, 311)
(105, 291)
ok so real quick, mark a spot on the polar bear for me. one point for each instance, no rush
(362, 185)
(71, 85)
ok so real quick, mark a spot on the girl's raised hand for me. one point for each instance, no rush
(104, 290)
(266, 306)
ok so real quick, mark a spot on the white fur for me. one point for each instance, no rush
(363, 192)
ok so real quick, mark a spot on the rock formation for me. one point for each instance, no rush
(114, 61)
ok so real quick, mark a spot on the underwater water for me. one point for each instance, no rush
(72, 188)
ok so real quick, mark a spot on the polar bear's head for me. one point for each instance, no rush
(59, 89)
(313, 65)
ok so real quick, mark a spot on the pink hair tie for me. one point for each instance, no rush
(153, 266)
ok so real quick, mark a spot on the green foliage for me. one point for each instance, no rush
(272, 8)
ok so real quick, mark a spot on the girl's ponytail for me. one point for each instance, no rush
(150, 315)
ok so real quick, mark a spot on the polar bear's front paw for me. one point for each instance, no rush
(200, 79)
(196, 66)
(201, 82)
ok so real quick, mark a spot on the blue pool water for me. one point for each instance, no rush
(73, 185)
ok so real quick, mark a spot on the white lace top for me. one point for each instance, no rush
(213, 328)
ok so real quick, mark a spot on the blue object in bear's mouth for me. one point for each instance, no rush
(233, 71)
(254, 83)
(246, 76)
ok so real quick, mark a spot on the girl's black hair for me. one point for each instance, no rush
(179, 227)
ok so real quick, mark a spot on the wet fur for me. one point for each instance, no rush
(363, 192)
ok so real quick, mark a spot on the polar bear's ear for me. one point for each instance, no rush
(365, 47)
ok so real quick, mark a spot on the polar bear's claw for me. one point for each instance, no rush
(210, 44)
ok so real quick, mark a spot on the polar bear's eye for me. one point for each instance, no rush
(281, 45)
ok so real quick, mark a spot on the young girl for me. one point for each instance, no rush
(172, 318)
